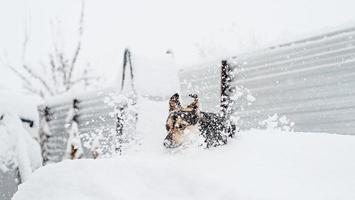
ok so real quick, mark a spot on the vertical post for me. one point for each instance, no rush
(127, 61)
(44, 133)
(225, 88)
(76, 150)
(76, 109)
(119, 129)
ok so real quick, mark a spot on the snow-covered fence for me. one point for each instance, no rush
(103, 122)
(310, 81)
(90, 125)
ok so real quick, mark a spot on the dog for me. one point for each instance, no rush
(214, 128)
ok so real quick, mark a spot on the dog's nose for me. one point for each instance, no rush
(167, 143)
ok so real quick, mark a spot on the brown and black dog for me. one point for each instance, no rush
(215, 128)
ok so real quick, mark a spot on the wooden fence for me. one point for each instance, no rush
(310, 81)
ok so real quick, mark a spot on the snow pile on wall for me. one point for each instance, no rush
(23, 105)
(17, 148)
(258, 164)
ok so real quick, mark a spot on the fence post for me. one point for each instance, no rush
(76, 109)
(76, 150)
(44, 132)
(225, 88)
(127, 61)
(119, 129)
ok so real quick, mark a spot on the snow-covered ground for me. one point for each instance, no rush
(257, 164)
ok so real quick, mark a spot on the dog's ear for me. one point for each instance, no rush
(196, 103)
(174, 102)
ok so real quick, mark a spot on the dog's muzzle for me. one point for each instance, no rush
(169, 144)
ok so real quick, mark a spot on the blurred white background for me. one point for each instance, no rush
(195, 31)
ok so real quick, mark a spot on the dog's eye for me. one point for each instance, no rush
(182, 126)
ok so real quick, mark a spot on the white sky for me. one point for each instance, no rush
(223, 27)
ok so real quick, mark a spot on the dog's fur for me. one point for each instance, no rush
(215, 128)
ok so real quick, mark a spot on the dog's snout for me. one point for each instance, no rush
(167, 143)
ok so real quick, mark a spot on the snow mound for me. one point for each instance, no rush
(256, 165)
(23, 105)
(17, 148)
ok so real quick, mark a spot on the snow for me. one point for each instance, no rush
(77, 94)
(223, 27)
(17, 147)
(74, 141)
(257, 164)
(277, 122)
(21, 104)
(157, 66)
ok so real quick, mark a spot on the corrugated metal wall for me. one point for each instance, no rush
(310, 81)
(97, 115)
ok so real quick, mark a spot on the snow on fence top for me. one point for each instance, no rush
(24, 106)
(310, 81)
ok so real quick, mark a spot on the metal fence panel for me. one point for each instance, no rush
(8, 183)
(310, 81)
(97, 114)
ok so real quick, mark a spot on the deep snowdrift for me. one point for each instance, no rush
(259, 165)
(256, 165)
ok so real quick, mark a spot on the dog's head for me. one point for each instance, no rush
(179, 119)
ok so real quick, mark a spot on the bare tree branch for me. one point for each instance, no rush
(62, 68)
(26, 82)
(56, 75)
(74, 82)
(53, 72)
(27, 69)
(38, 78)
(19, 74)
(78, 47)
(33, 91)
(24, 78)
(24, 45)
